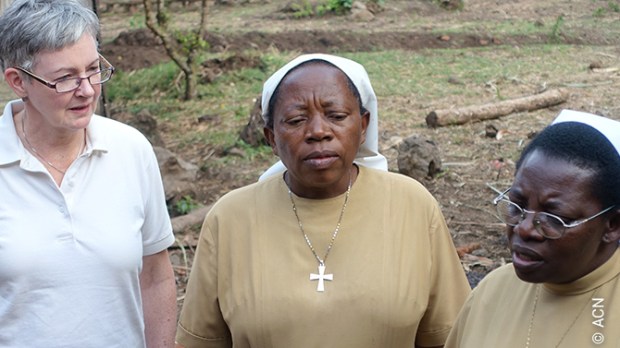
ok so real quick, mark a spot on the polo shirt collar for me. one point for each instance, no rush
(97, 139)
(10, 145)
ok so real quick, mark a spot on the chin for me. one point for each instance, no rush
(84, 121)
(540, 273)
(541, 277)
(528, 277)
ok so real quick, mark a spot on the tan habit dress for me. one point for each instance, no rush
(584, 313)
(396, 275)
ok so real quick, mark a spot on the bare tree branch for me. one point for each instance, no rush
(183, 54)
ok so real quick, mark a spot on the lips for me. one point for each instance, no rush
(526, 259)
(321, 159)
(80, 107)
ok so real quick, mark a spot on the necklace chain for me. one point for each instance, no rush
(529, 328)
(531, 325)
(301, 227)
(34, 151)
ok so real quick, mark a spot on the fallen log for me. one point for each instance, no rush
(476, 113)
(194, 217)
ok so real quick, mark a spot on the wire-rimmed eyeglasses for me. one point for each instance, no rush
(548, 225)
(72, 83)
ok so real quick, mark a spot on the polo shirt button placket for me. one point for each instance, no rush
(66, 233)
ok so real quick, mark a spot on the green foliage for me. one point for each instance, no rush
(322, 9)
(611, 7)
(235, 85)
(144, 83)
(599, 12)
(302, 9)
(137, 21)
(556, 30)
(253, 153)
(339, 6)
(189, 41)
(185, 205)
(305, 8)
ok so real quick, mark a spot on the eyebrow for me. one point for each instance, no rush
(547, 204)
(63, 69)
(328, 103)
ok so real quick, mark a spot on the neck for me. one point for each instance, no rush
(46, 138)
(56, 153)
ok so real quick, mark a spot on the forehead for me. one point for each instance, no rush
(540, 172)
(82, 52)
(316, 75)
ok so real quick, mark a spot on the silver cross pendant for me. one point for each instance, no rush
(321, 277)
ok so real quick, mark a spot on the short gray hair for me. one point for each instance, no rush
(28, 27)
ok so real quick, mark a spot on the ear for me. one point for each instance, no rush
(365, 122)
(270, 136)
(14, 79)
(613, 227)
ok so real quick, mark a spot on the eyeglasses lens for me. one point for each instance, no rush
(509, 213)
(95, 79)
(548, 225)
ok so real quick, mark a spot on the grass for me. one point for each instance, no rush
(234, 19)
(140, 84)
(426, 73)
(229, 98)
(423, 76)
(408, 84)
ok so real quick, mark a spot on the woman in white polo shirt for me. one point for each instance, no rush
(84, 228)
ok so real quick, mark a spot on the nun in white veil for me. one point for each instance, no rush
(562, 217)
(336, 250)
(368, 154)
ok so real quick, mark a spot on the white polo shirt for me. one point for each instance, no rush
(70, 256)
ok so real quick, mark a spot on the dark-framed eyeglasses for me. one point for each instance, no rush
(72, 83)
(548, 225)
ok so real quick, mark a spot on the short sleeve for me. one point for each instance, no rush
(157, 232)
(201, 323)
(449, 287)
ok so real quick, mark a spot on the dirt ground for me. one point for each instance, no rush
(471, 160)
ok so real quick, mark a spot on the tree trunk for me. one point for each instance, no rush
(185, 61)
(446, 117)
(190, 84)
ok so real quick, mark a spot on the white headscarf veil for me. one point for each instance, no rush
(368, 154)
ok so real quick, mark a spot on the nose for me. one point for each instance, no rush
(85, 88)
(318, 128)
(528, 227)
